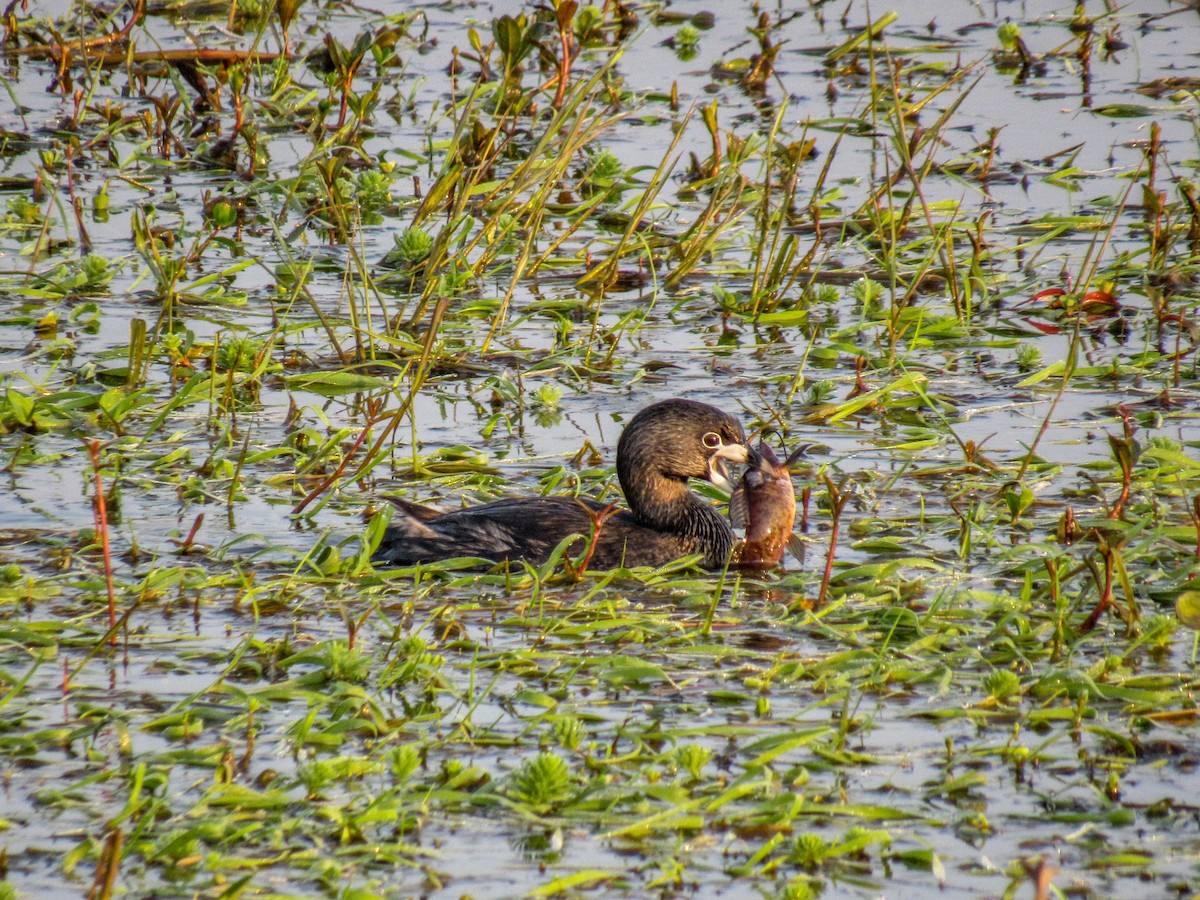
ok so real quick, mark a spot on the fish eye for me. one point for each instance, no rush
(711, 440)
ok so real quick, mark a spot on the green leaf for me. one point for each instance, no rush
(1187, 608)
(907, 382)
(784, 317)
(205, 280)
(626, 669)
(584, 879)
(21, 406)
(772, 747)
(859, 811)
(1055, 368)
(1123, 110)
(959, 784)
(241, 797)
(335, 382)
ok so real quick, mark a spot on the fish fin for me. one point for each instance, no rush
(739, 508)
(797, 547)
(801, 451)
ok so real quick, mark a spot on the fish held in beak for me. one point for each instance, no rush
(721, 458)
(763, 505)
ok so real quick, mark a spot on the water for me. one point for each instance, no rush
(259, 599)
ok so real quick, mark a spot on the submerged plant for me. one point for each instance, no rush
(1002, 685)
(91, 274)
(988, 335)
(543, 782)
(412, 247)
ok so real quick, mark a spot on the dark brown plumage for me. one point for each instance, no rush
(660, 449)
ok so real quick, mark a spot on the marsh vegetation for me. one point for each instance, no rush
(264, 264)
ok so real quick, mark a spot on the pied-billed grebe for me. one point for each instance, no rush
(663, 446)
(764, 504)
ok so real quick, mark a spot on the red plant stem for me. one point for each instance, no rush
(564, 66)
(68, 55)
(598, 520)
(84, 48)
(435, 321)
(1119, 506)
(186, 546)
(337, 473)
(1106, 599)
(101, 511)
(827, 575)
(1195, 511)
(838, 498)
(85, 240)
(108, 866)
(1052, 570)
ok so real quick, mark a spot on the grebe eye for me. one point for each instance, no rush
(711, 440)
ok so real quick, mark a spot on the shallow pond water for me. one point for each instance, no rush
(203, 284)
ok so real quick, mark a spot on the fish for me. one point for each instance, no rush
(763, 506)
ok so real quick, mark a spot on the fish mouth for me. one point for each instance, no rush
(763, 458)
(718, 464)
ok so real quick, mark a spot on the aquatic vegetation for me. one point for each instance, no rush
(262, 265)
